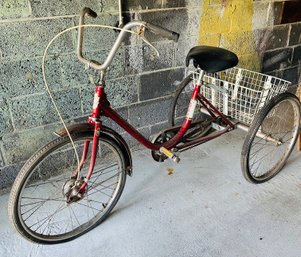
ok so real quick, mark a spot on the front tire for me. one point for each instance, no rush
(37, 205)
(262, 159)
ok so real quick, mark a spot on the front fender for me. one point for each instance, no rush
(105, 132)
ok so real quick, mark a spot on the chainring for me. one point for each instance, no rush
(161, 138)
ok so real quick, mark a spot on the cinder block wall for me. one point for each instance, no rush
(279, 45)
(138, 84)
(255, 31)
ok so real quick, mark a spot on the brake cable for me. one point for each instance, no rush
(141, 35)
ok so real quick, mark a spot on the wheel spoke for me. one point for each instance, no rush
(265, 158)
(42, 204)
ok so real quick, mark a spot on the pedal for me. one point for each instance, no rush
(217, 126)
(169, 154)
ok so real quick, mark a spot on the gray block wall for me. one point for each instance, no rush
(138, 83)
(278, 45)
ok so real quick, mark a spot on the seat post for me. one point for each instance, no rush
(200, 78)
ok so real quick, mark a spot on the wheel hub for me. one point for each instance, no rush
(71, 190)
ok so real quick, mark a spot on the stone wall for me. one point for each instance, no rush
(254, 30)
(138, 84)
(279, 45)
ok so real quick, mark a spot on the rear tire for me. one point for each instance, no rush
(280, 118)
(181, 100)
(37, 205)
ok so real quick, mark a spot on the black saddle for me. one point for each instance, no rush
(211, 59)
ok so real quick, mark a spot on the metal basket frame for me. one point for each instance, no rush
(239, 93)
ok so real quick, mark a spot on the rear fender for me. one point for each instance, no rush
(105, 132)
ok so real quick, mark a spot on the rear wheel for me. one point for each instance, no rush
(200, 123)
(278, 122)
(40, 207)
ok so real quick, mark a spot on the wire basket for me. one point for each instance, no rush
(240, 93)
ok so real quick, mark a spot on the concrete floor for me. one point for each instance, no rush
(205, 208)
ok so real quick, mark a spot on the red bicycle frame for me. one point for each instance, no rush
(101, 106)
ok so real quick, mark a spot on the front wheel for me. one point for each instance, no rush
(39, 204)
(271, 138)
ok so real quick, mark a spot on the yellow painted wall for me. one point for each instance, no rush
(228, 23)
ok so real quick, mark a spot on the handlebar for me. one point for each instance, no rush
(83, 12)
(95, 65)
